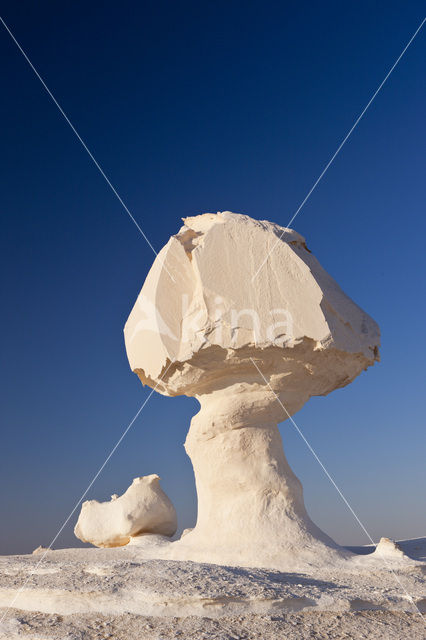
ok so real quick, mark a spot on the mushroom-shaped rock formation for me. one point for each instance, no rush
(143, 508)
(208, 324)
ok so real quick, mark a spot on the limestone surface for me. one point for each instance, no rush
(122, 594)
(143, 508)
(252, 345)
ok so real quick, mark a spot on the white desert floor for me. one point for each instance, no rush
(123, 594)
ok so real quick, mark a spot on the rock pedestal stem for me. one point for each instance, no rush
(250, 503)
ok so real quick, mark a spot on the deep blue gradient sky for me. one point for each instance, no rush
(192, 107)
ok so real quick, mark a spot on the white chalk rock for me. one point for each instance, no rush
(239, 314)
(220, 310)
(40, 549)
(389, 549)
(143, 508)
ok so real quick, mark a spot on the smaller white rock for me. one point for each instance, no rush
(40, 549)
(389, 549)
(143, 508)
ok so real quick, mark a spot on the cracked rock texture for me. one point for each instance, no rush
(293, 317)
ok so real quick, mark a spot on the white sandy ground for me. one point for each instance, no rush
(121, 594)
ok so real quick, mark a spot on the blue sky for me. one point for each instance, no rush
(192, 107)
